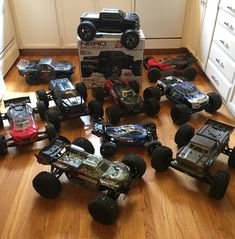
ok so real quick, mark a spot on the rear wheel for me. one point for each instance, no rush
(41, 109)
(184, 134)
(152, 92)
(108, 149)
(151, 106)
(3, 145)
(190, 73)
(113, 114)
(47, 185)
(85, 144)
(219, 184)
(231, 159)
(81, 89)
(95, 109)
(86, 31)
(214, 103)
(130, 39)
(50, 131)
(42, 96)
(154, 74)
(54, 119)
(180, 114)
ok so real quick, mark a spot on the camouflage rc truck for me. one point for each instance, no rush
(197, 153)
(77, 161)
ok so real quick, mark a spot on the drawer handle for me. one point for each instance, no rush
(230, 26)
(214, 78)
(219, 62)
(224, 43)
(231, 9)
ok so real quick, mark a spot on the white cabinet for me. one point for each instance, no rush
(221, 64)
(162, 22)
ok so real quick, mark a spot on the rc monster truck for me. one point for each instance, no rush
(187, 98)
(130, 135)
(79, 164)
(38, 71)
(70, 102)
(111, 21)
(128, 102)
(23, 129)
(109, 63)
(197, 153)
(170, 66)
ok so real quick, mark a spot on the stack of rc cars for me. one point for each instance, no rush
(169, 77)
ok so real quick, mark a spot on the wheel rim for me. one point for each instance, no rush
(131, 41)
(85, 32)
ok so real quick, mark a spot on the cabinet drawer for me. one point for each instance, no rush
(222, 61)
(228, 6)
(227, 21)
(225, 40)
(218, 80)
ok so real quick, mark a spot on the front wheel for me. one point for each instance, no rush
(190, 73)
(108, 149)
(136, 164)
(42, 96)
(41, 109)
(152, 92)
(31, 79)
(180, 114)
(214, 103)
(151, 106)
(47, 185)
(184, 134)
(86, 31)
(85, 144)
(103, 209)
(130, 39)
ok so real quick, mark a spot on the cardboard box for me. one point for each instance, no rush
(105, 58)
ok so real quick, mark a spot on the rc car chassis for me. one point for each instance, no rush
(38, 71)
(70, 102)
(23, 129)
(170, 66)
(110, 63)
(131, 135)
(126, 98)
(111, 21)
(187, 98)
(197, 153)
(77, 161)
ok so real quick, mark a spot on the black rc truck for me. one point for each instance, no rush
(197, 153)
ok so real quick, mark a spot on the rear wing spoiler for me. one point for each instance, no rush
(220, 125)
(18, 100)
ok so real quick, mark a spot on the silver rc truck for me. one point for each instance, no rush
(77, 161)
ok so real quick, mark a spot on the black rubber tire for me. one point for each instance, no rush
(136, 164)
(41, 109)
(137, 68)
(161, 158)
(214, 103)
(103, 209)
(3, 146)
(50, 131)
(154, 74)
(47, 185)
(81, 90)
(31, 79)
(231, 159)
(151, 106)
(1, 120)
(184, 134)
(98, 94)
(86, 31)
(152, 146)
(152, 92)
(130, 39)
(42, 96)
(190, 73)
(180, 114)
(219, 185)
(85, 144)
(145, 62)
(108, 149)
(53, 118)
(135, 86)
(95, 108)
(113, 114)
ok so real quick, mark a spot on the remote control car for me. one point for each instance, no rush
(111, 21)
(38, 71)
(130, 135)
(187, 97)
(77, 161)
(128, 102)
(70, 102)
(23, 129)
(110, 63)
(170, 66)
(197, 153)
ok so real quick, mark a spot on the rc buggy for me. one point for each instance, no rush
(110, 63)
(70, 102)
(77, 161)
(111, 21)
(130, 135)
(23, 129)
(170, 66)
(126, 98)
(197, 153)
(187, 98)
(38, 71)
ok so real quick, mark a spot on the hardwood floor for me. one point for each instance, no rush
(161, 205)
